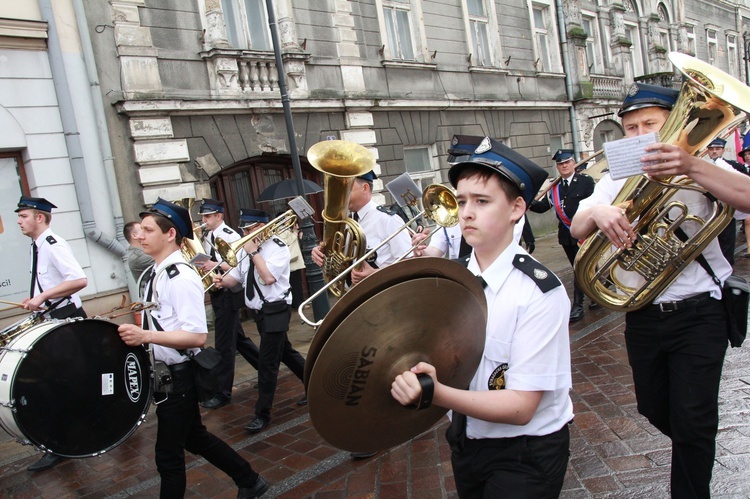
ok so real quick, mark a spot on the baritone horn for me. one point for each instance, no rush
(190, 248)
(228, 251)
(439, 205)
(628, 279)
(341, 162)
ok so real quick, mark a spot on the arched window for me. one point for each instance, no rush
(240, 185)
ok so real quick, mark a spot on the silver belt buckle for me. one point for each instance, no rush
(669, 306)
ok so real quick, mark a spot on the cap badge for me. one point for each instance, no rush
(633, 90)
(484, 146)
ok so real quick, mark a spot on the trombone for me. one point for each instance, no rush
(228, 251)
(439, 205)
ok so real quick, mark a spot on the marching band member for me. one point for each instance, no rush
(226, 303)
(377, 223)
(56, 276)
(509, 430)
(564, 199)
(265, 274)
(180, 325)
(675, 345)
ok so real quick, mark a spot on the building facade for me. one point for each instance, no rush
(108, 105)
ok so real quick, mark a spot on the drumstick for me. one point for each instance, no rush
(15, 304)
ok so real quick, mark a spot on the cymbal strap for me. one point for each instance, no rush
(428, 390)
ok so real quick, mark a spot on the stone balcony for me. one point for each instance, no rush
(251, 73)
(607, 87)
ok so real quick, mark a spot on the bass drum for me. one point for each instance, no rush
(73, 387)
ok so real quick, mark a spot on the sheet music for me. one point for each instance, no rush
(624, 155)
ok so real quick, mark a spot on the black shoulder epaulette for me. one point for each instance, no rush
(278, 241)
(173, 271)
(464, 260)
(387, 210)
(51, 240)
(544, 279)
(228, 230)
(584, 174)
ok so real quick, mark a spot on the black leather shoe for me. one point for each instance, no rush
(576, 314)
(215, 403)
(593, 305)
(361, 455)
(46, 462)
(257, 490)
(257, 425)
(302, 401)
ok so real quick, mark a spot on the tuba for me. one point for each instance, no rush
(190, 248)
(628, 279)
(343, 238)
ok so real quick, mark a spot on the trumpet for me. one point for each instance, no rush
(439, 205)
(228, 251)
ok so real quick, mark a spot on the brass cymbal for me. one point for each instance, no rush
(411, 268)
(433, 319)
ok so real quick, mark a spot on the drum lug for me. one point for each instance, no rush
(24, 351)
(10, 405)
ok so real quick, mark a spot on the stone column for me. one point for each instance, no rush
(216, 27)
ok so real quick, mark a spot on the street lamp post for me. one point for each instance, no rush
(314, 273)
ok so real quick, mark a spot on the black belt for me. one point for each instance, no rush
(176, 368)
(674, 306)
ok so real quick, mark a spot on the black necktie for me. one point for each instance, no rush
(34, 258)
(564, 188)
(149, 294)
(355, 216)
(250, 281)
(213, 250)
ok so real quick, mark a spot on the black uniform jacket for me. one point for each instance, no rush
(581, 186)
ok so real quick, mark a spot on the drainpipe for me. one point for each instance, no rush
(568, 81)
(72, 136)
(101, 120)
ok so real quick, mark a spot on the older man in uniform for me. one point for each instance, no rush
(179, 325)
(56, 276)
(675, 345)
(728, 236)
(564, 198)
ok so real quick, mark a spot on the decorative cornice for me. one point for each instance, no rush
(23, 34)
(172, 107)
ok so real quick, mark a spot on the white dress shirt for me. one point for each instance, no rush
(378, 226)
(527, 336)
(180, 298)
(55, 264)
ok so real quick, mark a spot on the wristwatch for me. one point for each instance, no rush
(253, 253)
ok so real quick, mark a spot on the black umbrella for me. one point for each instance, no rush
(288, 189)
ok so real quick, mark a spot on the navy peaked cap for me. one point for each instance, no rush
(29, 203)
(179, 216)
(641, 95)
(468, 150)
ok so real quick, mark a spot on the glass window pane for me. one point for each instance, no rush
(390, 32)
(480, 43)
(417, 160)
(544, 53)
(404, 35)
(476, 7)
(230, 19)
(258, 25)
(539, 19)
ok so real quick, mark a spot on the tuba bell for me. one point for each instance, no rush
(343, 238)
(628, 279)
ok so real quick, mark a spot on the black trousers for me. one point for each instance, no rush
(571, 251)
(519, 467)
(230, 336)
(677, 359)
(179, 428)
(728, 240)
(275, 348)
